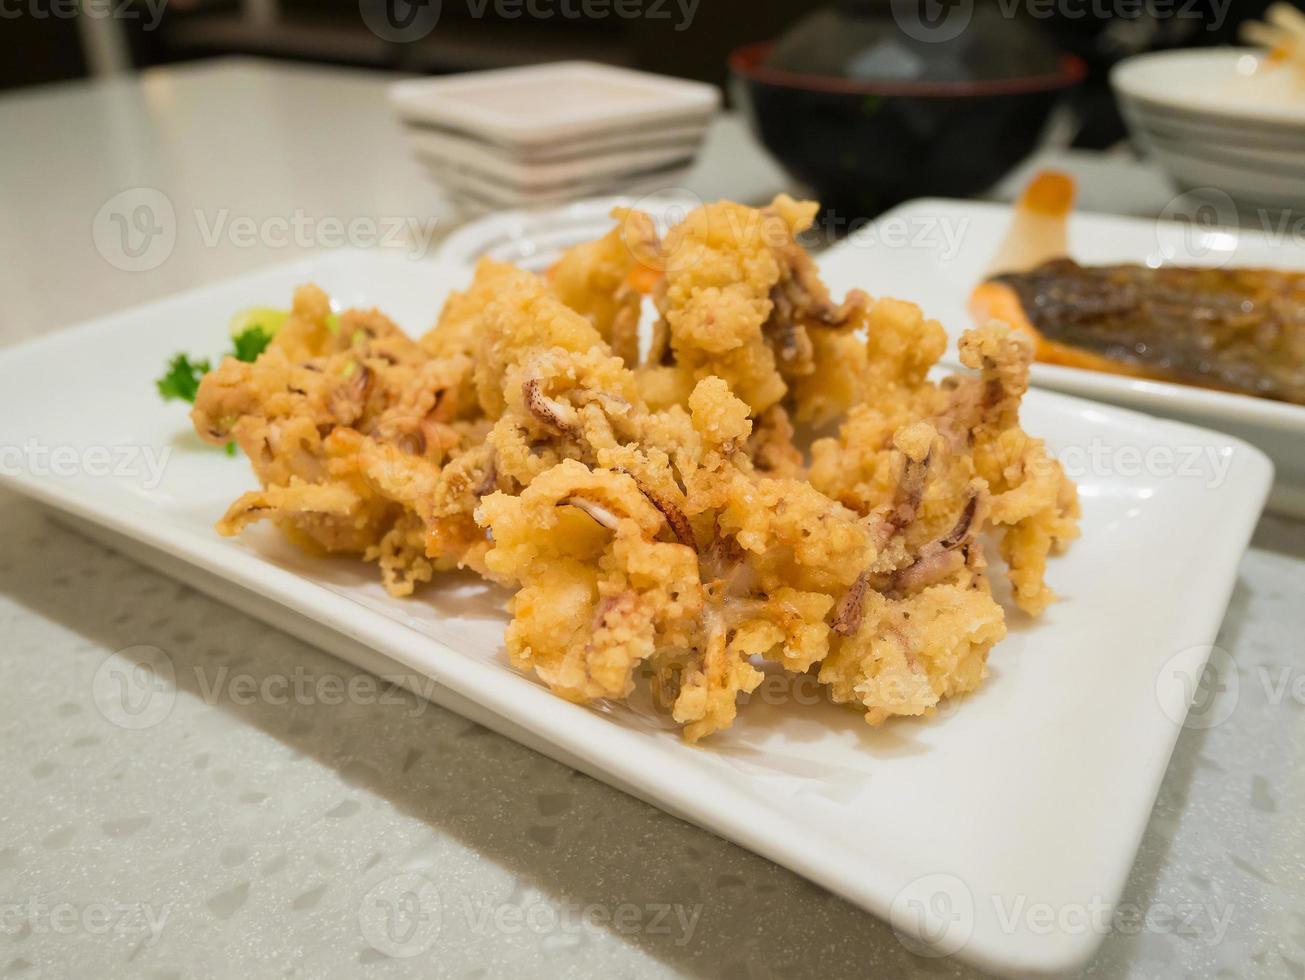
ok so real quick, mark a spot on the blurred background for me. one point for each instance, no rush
(863, 104)
(45, 41)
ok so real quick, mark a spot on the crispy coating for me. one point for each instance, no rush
(658, 521)
(597, 588)
(605, 280)
(741, 301)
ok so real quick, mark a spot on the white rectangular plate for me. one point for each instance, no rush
(1035, 790)
(549, 104)
(935, 251)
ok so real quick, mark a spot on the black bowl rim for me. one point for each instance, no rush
(747, 62)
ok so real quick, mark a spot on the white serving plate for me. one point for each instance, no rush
(934, 251)
(1033, 791)
(551, 103)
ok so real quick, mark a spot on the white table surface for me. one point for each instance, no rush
(258, 839)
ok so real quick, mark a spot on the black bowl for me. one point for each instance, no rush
(864, 146)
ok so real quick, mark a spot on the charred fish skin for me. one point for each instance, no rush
(1240, 330)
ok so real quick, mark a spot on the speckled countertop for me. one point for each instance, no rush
(212, 833)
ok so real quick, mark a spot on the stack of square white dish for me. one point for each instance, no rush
(548, 134)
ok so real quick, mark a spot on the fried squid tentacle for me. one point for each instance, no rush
(659, 522)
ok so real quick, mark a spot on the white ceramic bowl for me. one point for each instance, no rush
(1219, 118)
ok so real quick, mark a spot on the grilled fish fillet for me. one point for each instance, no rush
(1239, 330)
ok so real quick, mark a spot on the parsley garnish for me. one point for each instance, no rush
(248, 344)
(252, 331)
(181, 380)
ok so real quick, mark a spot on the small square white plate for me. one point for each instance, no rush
(479, 196)
(1032, 792)
(935, 251)
(441, 142)
(553, 102)
(442, 152)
